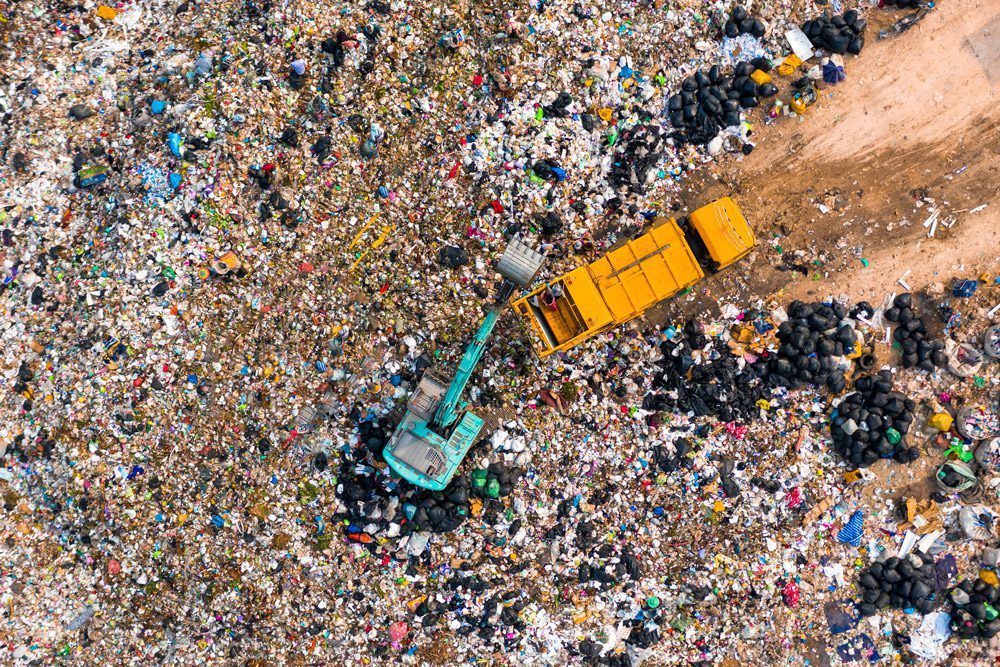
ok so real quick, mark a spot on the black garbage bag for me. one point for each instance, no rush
(453, 256)
(551, 223)
(436, 514)
(80, 112)
(589, 648)
(19, 163)
(321, 148)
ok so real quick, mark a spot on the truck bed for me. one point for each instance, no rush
(614, 289)
(645, 271)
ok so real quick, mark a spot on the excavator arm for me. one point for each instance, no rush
(448, 410)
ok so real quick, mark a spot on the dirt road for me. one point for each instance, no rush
(914, 129)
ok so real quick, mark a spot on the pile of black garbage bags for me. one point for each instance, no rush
(741, 23)
(975, 604)
(721, 387)
(442, 511)
(837, 34)
(899, 583)
(911, 334)
(711, 100)
(871, 423)
(812, 336)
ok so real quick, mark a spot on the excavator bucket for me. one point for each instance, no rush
(520, 262)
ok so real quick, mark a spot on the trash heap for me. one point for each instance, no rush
(871, 422)
(710, 100)
(837, 34)
(742, 23)
(495, 481)
(815, 341)
(975, 612)
(374, 508)
(440, 511)
(899, 583)
(700, 376)
(918, 351)
(638, 153)
(672, 456)
(233, 234)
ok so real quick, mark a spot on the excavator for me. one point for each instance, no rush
(438, 428)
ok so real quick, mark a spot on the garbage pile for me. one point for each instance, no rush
(701, 377)
(742, 23)
(816, 340)
(976, 609)
(232, 236)
(373, 507)
(872, 421)
(837, 34)
(899, 583)
(639, 150)
(709, 100)
(918, 351)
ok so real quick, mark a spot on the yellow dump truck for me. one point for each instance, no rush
(629, 280)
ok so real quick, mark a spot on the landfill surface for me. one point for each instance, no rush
(234, 236)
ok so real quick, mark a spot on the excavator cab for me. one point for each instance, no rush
(438, 429)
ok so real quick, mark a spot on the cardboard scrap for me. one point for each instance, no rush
(817, 511)
(922, 517)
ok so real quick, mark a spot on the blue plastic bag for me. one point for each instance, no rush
(176, 143)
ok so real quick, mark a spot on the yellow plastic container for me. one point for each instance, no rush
(941, 421)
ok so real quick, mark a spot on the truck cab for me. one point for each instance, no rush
(723, 231)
